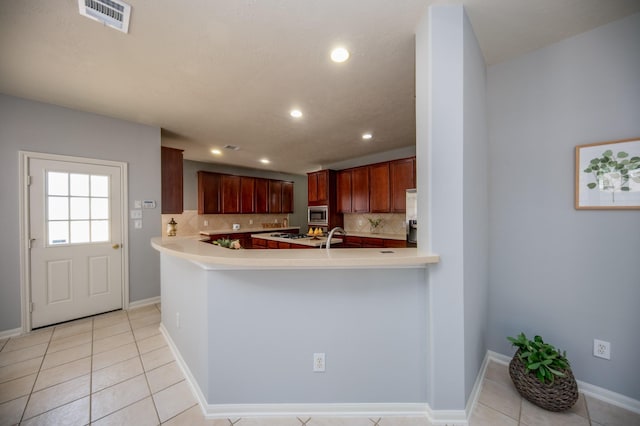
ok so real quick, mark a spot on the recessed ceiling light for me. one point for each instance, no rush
(264, 161)
(296, 113)
(216, 152)
(367, 136)
(339, 54)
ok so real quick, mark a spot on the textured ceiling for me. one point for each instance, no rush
(217, 72)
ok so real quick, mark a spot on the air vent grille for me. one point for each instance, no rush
(232, 147)
(112, 13)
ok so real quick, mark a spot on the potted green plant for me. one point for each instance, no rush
(542, 374)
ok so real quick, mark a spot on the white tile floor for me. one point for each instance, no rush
(116, 369)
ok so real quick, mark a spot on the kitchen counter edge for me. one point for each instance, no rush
(213, 257)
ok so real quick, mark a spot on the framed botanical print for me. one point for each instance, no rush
(608, 175)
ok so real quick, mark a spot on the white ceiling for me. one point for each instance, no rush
(217, 72)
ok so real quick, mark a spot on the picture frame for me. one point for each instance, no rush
(607, 175)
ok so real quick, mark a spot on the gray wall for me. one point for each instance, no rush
(264, 327)
(570, 276)
(33, 126)
(191, 168)
(476, 207)
(452, 142)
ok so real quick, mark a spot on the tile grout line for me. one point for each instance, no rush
(144, 371)
(93, 328)
(24, 410)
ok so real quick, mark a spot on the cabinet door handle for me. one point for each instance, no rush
(116, 246)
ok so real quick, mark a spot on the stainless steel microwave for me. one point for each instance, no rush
(318, 215)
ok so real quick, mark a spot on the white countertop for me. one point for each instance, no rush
(210, 256)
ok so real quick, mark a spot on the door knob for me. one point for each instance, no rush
(116, 246)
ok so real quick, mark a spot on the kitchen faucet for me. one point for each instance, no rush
(335, 230)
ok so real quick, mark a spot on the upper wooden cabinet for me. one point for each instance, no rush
(262, 195)
(376, 188)
(275, 196)
(172, 196)
(318, 188)
(360, 190)
(352, 187)
(402, 177)
(247, 194)
(379, 188)
(343, 188)
(287, 197)
(221, 193)
(209, 193)
(230, 194)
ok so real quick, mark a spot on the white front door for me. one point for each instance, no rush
(75, 231)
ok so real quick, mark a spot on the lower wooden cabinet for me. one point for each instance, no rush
(352, 241)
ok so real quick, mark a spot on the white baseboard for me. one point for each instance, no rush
(477, 386)
(593, 391)
(10, 333)
(224, 411)
(419, 410)
(144, 302)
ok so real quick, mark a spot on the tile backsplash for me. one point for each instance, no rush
(392, 223)
(191, 223)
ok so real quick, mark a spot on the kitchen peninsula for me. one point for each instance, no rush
(244, 325)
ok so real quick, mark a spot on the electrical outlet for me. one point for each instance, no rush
(250, 221)
(206, 223)
(318, 363)
(601, 349)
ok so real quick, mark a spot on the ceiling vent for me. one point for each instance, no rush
(112, 13)
(232, 147)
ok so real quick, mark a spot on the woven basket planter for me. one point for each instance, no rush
(557, 396)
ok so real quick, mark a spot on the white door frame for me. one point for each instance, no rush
(25, 258)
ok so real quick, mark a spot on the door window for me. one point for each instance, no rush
(77, 208)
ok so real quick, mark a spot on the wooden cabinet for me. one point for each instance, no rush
(262, 195)
(376, 188)
(395, 243)
(247, 195)
(352, 187)
(171, 170)
(258, 243)
(360, 190)
(221, 193)
(275, 196)
(351, 241)
(318, 188)
(379, 188)
(287, 197)
(343, 189)
(372, 243)
(230, 194)
(402, 175)
(208, 193)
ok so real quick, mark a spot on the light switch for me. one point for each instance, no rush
(136, 214)
(137, 223)
(137, 204)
